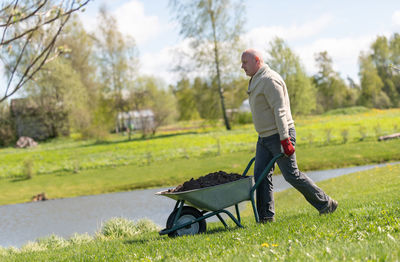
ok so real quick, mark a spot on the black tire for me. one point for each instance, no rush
(187, 214)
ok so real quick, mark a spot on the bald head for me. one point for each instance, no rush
(251, 61)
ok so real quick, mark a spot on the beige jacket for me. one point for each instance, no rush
(269, 103)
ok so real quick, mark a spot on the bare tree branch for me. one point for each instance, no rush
(26, 71)
(9, 22)
(59, 15)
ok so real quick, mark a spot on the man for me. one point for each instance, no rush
(270, 107)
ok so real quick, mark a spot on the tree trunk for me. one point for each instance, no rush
(216, 57)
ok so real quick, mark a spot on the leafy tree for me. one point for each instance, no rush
(207, 103)
(162, 103)
(332, 91)
(7, 130)
(60, 97)
(371, 94)
(23, 22)
(117, 61)
(236, 92)
(380, 56)
(213, 28)
(78, 51)
(300, 88)
(150, 93)
(185, 98)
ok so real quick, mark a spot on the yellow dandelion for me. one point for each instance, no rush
(274, 245)
(265, 245)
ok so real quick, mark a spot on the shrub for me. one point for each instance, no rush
(378, 130)
(347, 110)
(243, 118)
(345, 135)
(33, 247)
(52, 242)
(363, 133)
(7, 130)
(28, 168)
(146, 226)
(119, 227)
(3, 251)
(328, 132)
(78, 239)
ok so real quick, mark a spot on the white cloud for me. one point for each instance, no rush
(343, 51)
(260, 37)
(133, 21)
(396, 18)
(162, 63)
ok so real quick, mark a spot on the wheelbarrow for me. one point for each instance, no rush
(211, 201)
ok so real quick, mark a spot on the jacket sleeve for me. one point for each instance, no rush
(275, 96)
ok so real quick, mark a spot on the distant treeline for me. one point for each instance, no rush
(96, 76)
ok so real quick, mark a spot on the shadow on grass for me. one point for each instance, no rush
(216, 230)
(19, 179)
(99, 143)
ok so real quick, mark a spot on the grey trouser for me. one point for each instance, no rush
(267, 148)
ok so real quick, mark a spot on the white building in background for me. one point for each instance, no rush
(245, 107)
(136, 120)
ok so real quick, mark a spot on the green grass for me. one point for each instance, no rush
(66, 167)
(74, 155)
(365, 227)
(171, 173)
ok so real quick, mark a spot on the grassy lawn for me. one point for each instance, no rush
(366, 227)
(66, 167)
(171, 173)
(75, 155)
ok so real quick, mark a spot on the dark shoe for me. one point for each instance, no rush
(330, 208)
(266, 220)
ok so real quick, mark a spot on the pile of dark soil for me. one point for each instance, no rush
(211, 179)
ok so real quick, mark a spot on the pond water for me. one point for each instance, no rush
(21, 223)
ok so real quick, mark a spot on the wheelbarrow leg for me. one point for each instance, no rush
(179, 203)
(231, 216)
(254, 208)
(237, 212)
(222, 220)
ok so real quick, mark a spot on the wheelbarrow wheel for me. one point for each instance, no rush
(187, 214)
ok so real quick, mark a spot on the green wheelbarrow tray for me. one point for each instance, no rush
(215, 197)
(212, 201)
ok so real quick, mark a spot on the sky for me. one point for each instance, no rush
(342, 28)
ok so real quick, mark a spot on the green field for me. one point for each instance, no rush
(67, 167)
(74, 155)
(365, 227)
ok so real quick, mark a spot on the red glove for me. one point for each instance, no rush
(287, 146)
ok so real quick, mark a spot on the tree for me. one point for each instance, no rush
(185, 98)
(300, 88)
(162, 103)
(149, 93)
(117, 59)
(207, 103)
(59, 97)
(23, 21)
(380, 57)
(371, 94)
(7, 130)
(332, 91)
(215, 25)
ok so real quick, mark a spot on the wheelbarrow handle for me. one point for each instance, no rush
(248, 166)
(265, 172)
